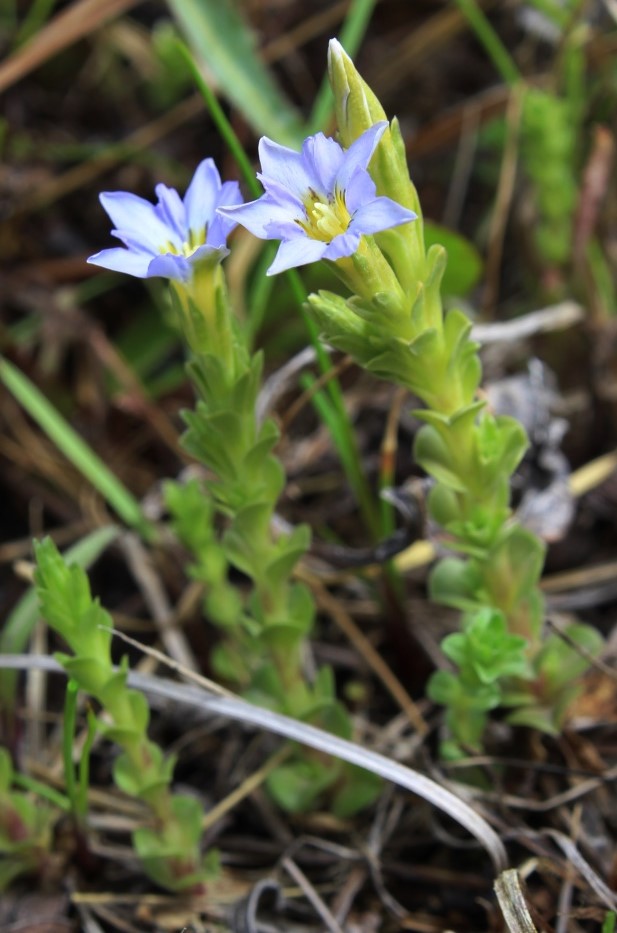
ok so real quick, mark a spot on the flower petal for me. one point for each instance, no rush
(285, 167)
(360, 153)
(345, 244)
(380, 214)
(218, 230)
(297, 252)
(210, 254)
(170, 267)
(202, 195)
(219, 227)
(122, 260)
(292, 205)
(360, 190)
(322, 158)
(137, 217)
(262, 217)
(229, 195)
(171, 211)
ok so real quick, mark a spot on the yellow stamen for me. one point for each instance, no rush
(325, 219)
(196, 238)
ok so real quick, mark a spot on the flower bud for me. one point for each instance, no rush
(357, 108)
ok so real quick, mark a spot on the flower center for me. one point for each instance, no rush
(325, 219)
(196, 238)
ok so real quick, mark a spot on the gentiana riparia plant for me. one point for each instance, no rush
(348, 202)
(264, 631)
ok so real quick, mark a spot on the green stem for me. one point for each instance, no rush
(337, 420)
(222, 123)
(68, 735)
(84, 768)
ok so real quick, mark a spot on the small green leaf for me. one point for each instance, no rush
(458, 584)
(90, 673)
(359, 789)
(464, 268)
(433, 455)
(297, 785)
(485, 649)
(290, 550)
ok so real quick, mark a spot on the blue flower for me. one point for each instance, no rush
(319, 202)
(170, 237)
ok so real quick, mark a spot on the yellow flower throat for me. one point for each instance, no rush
(325, 219)
(195, 240)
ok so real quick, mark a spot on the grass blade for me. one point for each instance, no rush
(232, 707)
(74, 448)
(220, 39)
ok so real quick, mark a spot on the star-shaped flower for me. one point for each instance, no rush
(170, 237)
(319, 202)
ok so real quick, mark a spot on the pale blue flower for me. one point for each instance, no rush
(319, 202)
(170, 237)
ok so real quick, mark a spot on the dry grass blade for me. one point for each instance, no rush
(554, 317)
(240, 711)
(512, 902)
(503, 200)
(576, 860)
(372, 657)
(331, 923)
(67, 27)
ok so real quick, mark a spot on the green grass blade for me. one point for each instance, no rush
(223, 125)
(74, 448)
(18, 627)
(35, 19)
(487, 35)
(221, 39)
(42, 790)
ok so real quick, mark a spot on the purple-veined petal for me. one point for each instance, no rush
(137, 218)
(322, 157)
(260, 217)
(297, 252)
(285, 167)
(169, 266)
(122, 260)
(345, 244)
(202, 194)
(360, 153)
(171, 211)
(380, 214)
